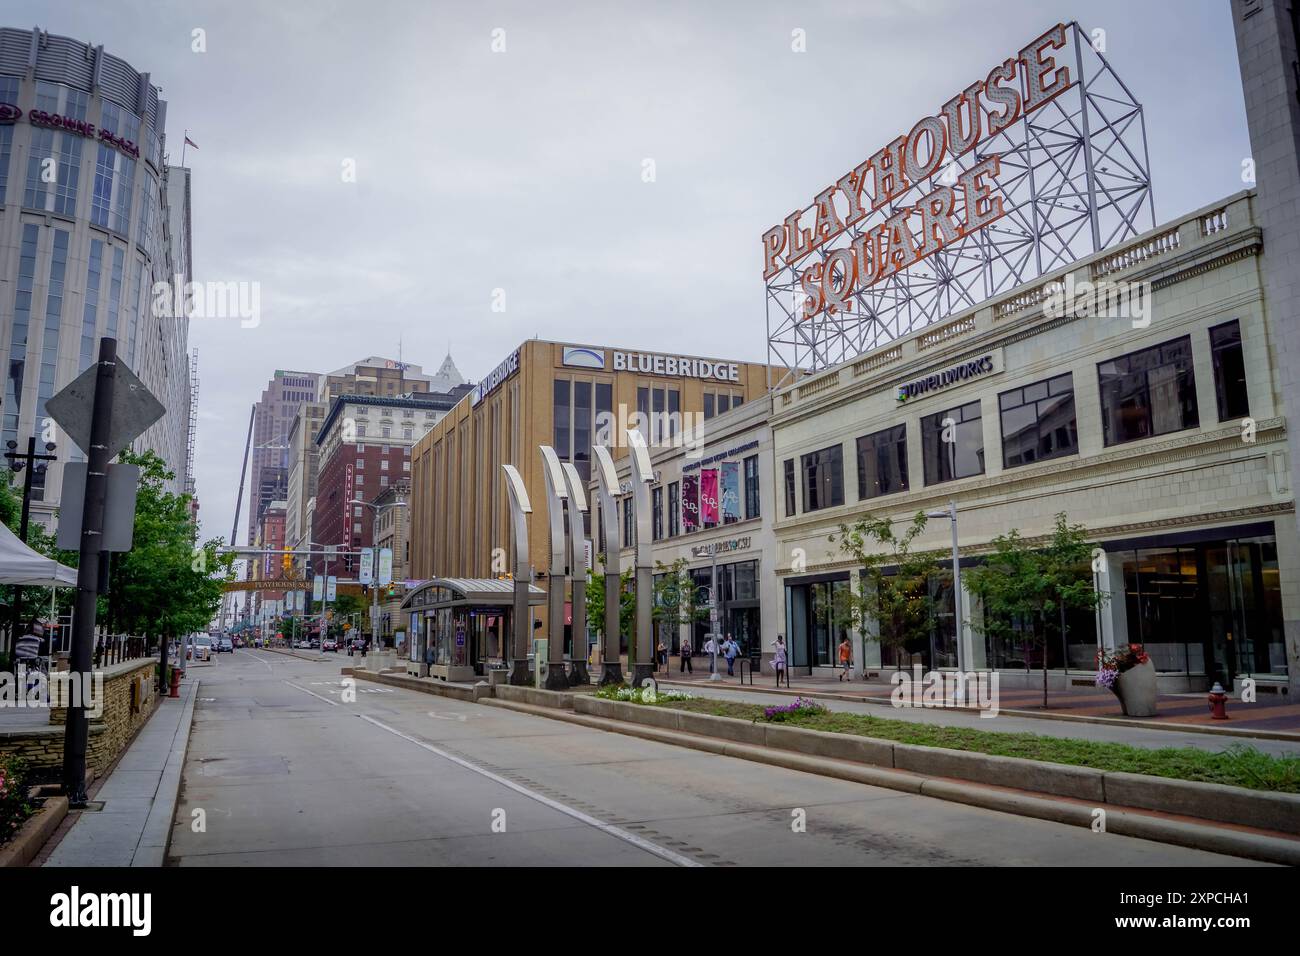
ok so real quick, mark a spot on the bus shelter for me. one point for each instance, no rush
(461, 626)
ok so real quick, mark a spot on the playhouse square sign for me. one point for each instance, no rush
(890, 237)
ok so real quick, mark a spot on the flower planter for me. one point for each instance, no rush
(1136, 690)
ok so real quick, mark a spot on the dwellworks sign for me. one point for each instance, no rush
(975, 368)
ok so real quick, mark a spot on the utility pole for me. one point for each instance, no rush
(26, 464)
(77, 731)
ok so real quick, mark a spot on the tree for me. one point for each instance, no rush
(899, 601)
(676, 599)
(596, 599)
(1022, 589)
(345, 606)
(168, 584)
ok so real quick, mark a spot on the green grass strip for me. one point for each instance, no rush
(1237, 765)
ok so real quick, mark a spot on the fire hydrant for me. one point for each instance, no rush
(1218, 702)
(176, 682)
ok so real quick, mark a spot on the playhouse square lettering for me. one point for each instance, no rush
(1015, 88)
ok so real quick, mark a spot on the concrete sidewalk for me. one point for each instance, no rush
(139, 795)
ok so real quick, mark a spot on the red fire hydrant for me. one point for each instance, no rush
(176, 682)
(1218, 702)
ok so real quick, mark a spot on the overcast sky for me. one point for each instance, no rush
(522, 170)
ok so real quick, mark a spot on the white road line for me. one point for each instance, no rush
(621, 834)
(259, 658)
(332, 703)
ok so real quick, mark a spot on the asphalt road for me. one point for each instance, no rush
(284, 772)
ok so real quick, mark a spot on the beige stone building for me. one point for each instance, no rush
(570, 397)
(1151, 414)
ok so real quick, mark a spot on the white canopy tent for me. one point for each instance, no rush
(21, 565)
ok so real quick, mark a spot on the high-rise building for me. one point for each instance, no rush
(91, 217)
(268, 479)
(302, 471)
(375, 375)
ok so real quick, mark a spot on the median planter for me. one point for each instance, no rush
(35, 831)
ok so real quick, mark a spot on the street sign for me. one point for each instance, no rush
(367, 565)
(119, 507)
(385, 572)
(134, 408)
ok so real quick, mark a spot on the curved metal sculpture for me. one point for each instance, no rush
(611, 671)
(577, 574)
(642, 477)
(520, 508)
(557, 492)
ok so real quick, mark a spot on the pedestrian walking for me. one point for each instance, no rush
(731, 650)
(685, 667)
(846, 659)
(778, 658)
(711, 649)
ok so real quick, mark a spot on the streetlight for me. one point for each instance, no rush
(963, 652)
(374, 573)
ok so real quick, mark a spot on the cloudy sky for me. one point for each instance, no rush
(522, 170)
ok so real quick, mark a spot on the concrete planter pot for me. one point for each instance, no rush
(1136, 690)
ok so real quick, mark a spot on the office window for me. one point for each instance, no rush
(1229, 371)
(383, 464)
(751, 487)
(627, 522)
(659, 408)
(385, 432)
(356, 511)
(604, 413)
(582, 428)
(952, 444)
(1038, 422)
(1148, 393)
(882, 463)
(562, 406)
(674, 509)
(789, 487)
(656, 513)
(361, 463)
(674, 412)
(724, 402)
(823, 478)
(708, 405)
(59, 194)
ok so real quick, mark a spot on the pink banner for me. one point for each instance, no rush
(690, 502)
(709, 497)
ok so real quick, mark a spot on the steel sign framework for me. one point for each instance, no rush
(1073, 177)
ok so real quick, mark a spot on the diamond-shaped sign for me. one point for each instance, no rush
(134, 408)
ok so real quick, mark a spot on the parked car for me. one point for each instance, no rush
(201, 648)
(329, 644)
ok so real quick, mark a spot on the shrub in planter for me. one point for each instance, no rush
(800, 706)
(14, 805)
(1129, 674)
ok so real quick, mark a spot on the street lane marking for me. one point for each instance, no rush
(332, 703)
(260, 660)
(639, 842)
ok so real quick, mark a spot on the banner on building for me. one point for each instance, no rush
(367, 566)
(690, 502)
(730, 491)
(708, 497)
(385, 566)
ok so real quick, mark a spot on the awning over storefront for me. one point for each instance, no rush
(453, 592)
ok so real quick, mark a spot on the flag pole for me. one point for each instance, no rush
(185, 137)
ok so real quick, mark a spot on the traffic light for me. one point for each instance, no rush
(286, 564)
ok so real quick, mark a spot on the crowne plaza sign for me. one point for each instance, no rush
(889, 237)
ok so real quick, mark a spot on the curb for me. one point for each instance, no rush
(34, 833)
(1033, 714)
(1122, 821)
(157, 833)
(473, 693)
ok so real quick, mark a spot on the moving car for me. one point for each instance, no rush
(329, 644)
(225, 646)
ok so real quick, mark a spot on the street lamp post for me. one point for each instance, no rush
(374, 573)
(963, 652)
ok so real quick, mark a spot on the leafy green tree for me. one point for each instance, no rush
(168, 584)
(1025, 590)
(596, 599)
(344, 607)
(676, 599)
(898, 602)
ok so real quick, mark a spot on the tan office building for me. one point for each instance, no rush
(550, 393)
